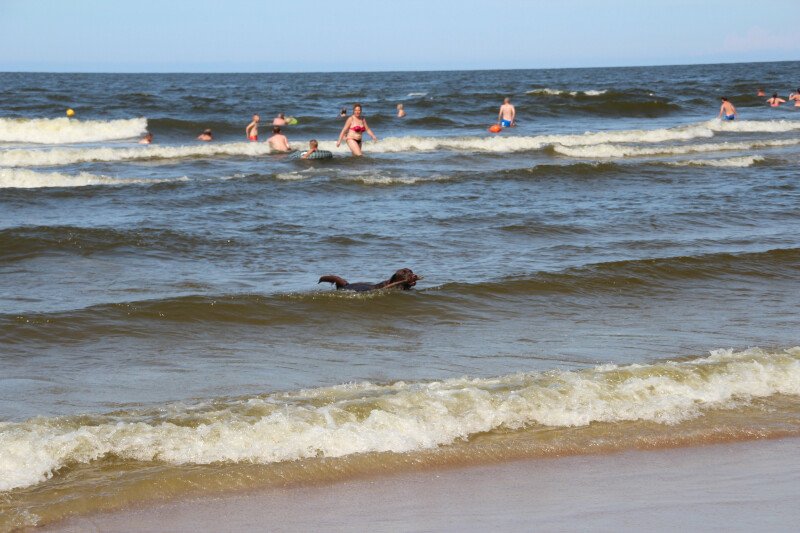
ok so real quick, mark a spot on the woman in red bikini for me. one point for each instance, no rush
(354, 127)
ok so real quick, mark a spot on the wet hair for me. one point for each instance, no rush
(724, 98)
(313, 142)
(276, 129)
(774, 95)
(281, 115)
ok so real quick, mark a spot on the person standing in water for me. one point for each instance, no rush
(252, 129)
(726, 110)
(775, 101)
(507, 114)
(400, 111)
(795, 97)
(354, 128)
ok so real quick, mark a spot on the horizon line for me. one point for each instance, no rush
(380, 71)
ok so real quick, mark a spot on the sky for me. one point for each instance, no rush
(378, 35)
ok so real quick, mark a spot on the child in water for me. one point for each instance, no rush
(205, 136)
(313, 146)
(400, 111)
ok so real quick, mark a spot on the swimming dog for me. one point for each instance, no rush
(403, 278)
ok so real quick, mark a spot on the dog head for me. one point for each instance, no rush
(407, 276)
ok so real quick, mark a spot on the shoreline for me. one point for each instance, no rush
(688, 488)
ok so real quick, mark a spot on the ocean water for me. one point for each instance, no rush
(618, 271)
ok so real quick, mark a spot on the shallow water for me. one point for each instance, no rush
(160, 316)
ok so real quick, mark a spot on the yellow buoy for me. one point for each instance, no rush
(70, 113)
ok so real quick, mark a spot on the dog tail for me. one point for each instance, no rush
(339, 282)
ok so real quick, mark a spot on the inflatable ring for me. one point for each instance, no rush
(319, 154)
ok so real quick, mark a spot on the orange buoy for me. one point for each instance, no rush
(494, 128)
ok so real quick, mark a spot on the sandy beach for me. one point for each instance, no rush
(733, 487)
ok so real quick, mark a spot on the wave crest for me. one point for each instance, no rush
(64, 130)
(400, 417)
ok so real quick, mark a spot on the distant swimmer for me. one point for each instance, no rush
(147, 139)
(507, 115)
(761, 93)
(343, 113)
(278, 141)
(252, 129)
(313, 146)
(280, 120)
(795, 97)
(205, 136)
(400, 111)
(354, 128)
(775, 101)
(726, 110)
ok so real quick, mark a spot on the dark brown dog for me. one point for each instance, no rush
(403, 279)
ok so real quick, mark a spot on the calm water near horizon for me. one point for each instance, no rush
(620, 270)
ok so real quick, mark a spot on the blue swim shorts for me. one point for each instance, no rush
(729, 117)
(505, 123)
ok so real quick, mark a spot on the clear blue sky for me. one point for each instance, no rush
(315, 35)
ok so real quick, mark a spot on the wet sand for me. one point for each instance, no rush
(739, 486)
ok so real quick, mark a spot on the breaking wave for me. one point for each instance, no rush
(65, 131)
(400, 417)
(28, 179)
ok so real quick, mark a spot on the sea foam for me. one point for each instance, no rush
(64, 130)
(400, 417)
(28, 179)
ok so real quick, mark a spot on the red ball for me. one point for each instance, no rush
(494, 128)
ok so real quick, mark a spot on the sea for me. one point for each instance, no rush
(620, 270)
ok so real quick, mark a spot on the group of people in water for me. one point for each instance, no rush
(775, 100)
(727, 111)
(352, 132)
(355, 125)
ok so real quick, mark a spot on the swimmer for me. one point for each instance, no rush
(354, 127)
(761, 93)
(400, 111)
(343, 113)
(507, 115)
(795, 97)
(147, 139)
(252, 129)
(726, 110)
(206, 136)
(278, 141)
(280, 120)
(313, 146)
(775, 101)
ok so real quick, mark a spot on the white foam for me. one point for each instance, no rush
(65, 130)
(559, 92)
(754, 126)
(502, 143)
(27, 179)
(416, 95)
(614, 151)
(734, 162)
(402, 417)
(68, 156)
